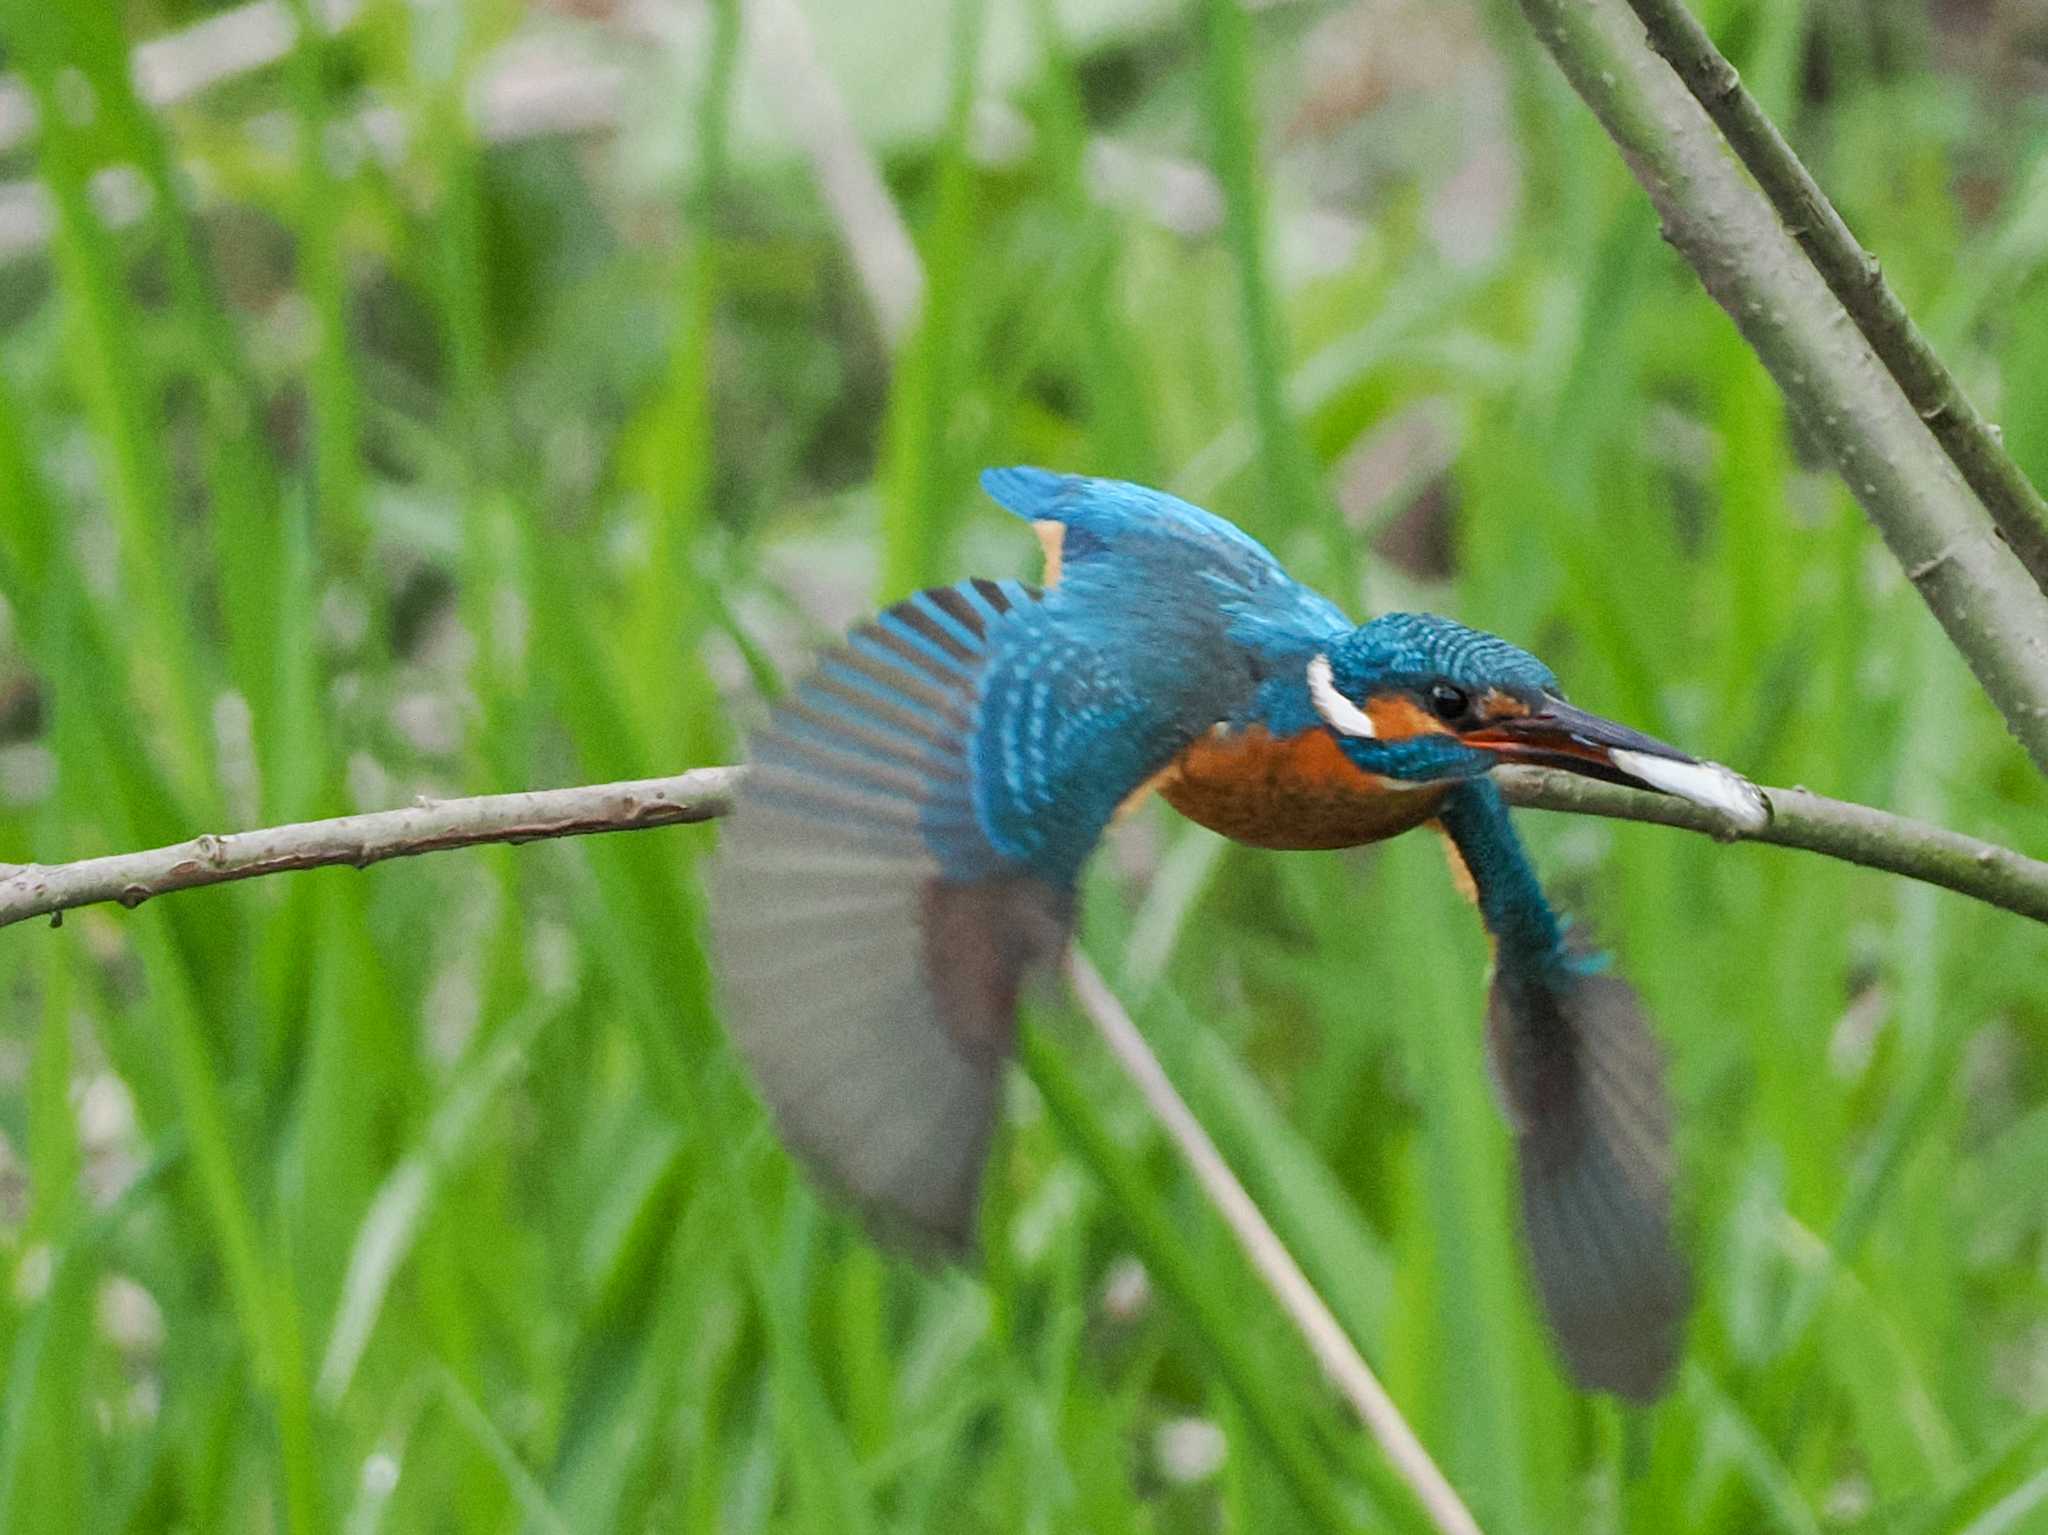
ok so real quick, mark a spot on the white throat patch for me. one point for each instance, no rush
(1338, 712)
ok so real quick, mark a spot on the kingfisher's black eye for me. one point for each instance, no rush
(1449, 703)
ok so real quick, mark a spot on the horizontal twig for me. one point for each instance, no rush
(49, 890)
(1857, 834)
(1854, 833)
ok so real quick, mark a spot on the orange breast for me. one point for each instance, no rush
(1290, 791)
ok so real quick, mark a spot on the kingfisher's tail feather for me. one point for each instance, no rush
(1581, 1078)
(870, 940)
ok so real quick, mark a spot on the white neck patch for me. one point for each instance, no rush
(1338, 712)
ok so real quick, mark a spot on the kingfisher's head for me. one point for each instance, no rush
(1420, 698)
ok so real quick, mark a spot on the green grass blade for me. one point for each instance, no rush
(1176, 1267)
(924, 474)
(1233, 133)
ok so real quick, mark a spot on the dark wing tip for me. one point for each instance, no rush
(932, 1227)
(1583, 1081)
(870, 940)
(1623, 1330)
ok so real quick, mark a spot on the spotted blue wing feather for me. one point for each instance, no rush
(906, 846)
(1120, 542)
(1065, 732)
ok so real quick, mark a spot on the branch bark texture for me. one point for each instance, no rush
(49, 890)
(1854, 833)
(1725, 227)
(1857, 834)
(1856, 280)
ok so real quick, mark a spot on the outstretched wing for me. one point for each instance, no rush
(907, 842)
(1582, 1080)
(870, 939)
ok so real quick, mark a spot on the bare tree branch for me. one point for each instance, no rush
(1856, 280)
(1850, 404)
(1854, 833)
(1857, 834)
(37, 890)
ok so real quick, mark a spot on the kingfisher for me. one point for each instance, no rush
(906, 849)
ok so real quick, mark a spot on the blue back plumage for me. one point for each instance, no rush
(1116, 517)
(1130, 544)
(1166, 620)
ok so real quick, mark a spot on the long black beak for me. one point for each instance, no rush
(1562, 735)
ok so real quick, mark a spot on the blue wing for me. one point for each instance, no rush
(1120, 542)
(870, 938)
(907, 843)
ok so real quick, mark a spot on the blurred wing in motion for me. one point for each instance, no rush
(870, 939)
(1582, 1081)
(905, 850)
(908, 840)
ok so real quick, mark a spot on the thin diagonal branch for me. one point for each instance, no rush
(1334, 1351)
(1856, 279)
(1849, 403)
(1856, 834)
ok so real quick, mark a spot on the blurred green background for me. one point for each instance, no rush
(484, 396)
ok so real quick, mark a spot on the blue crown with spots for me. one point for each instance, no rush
(1402, 649)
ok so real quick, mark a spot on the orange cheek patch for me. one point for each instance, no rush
(1396, 717)
(1497, 705)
